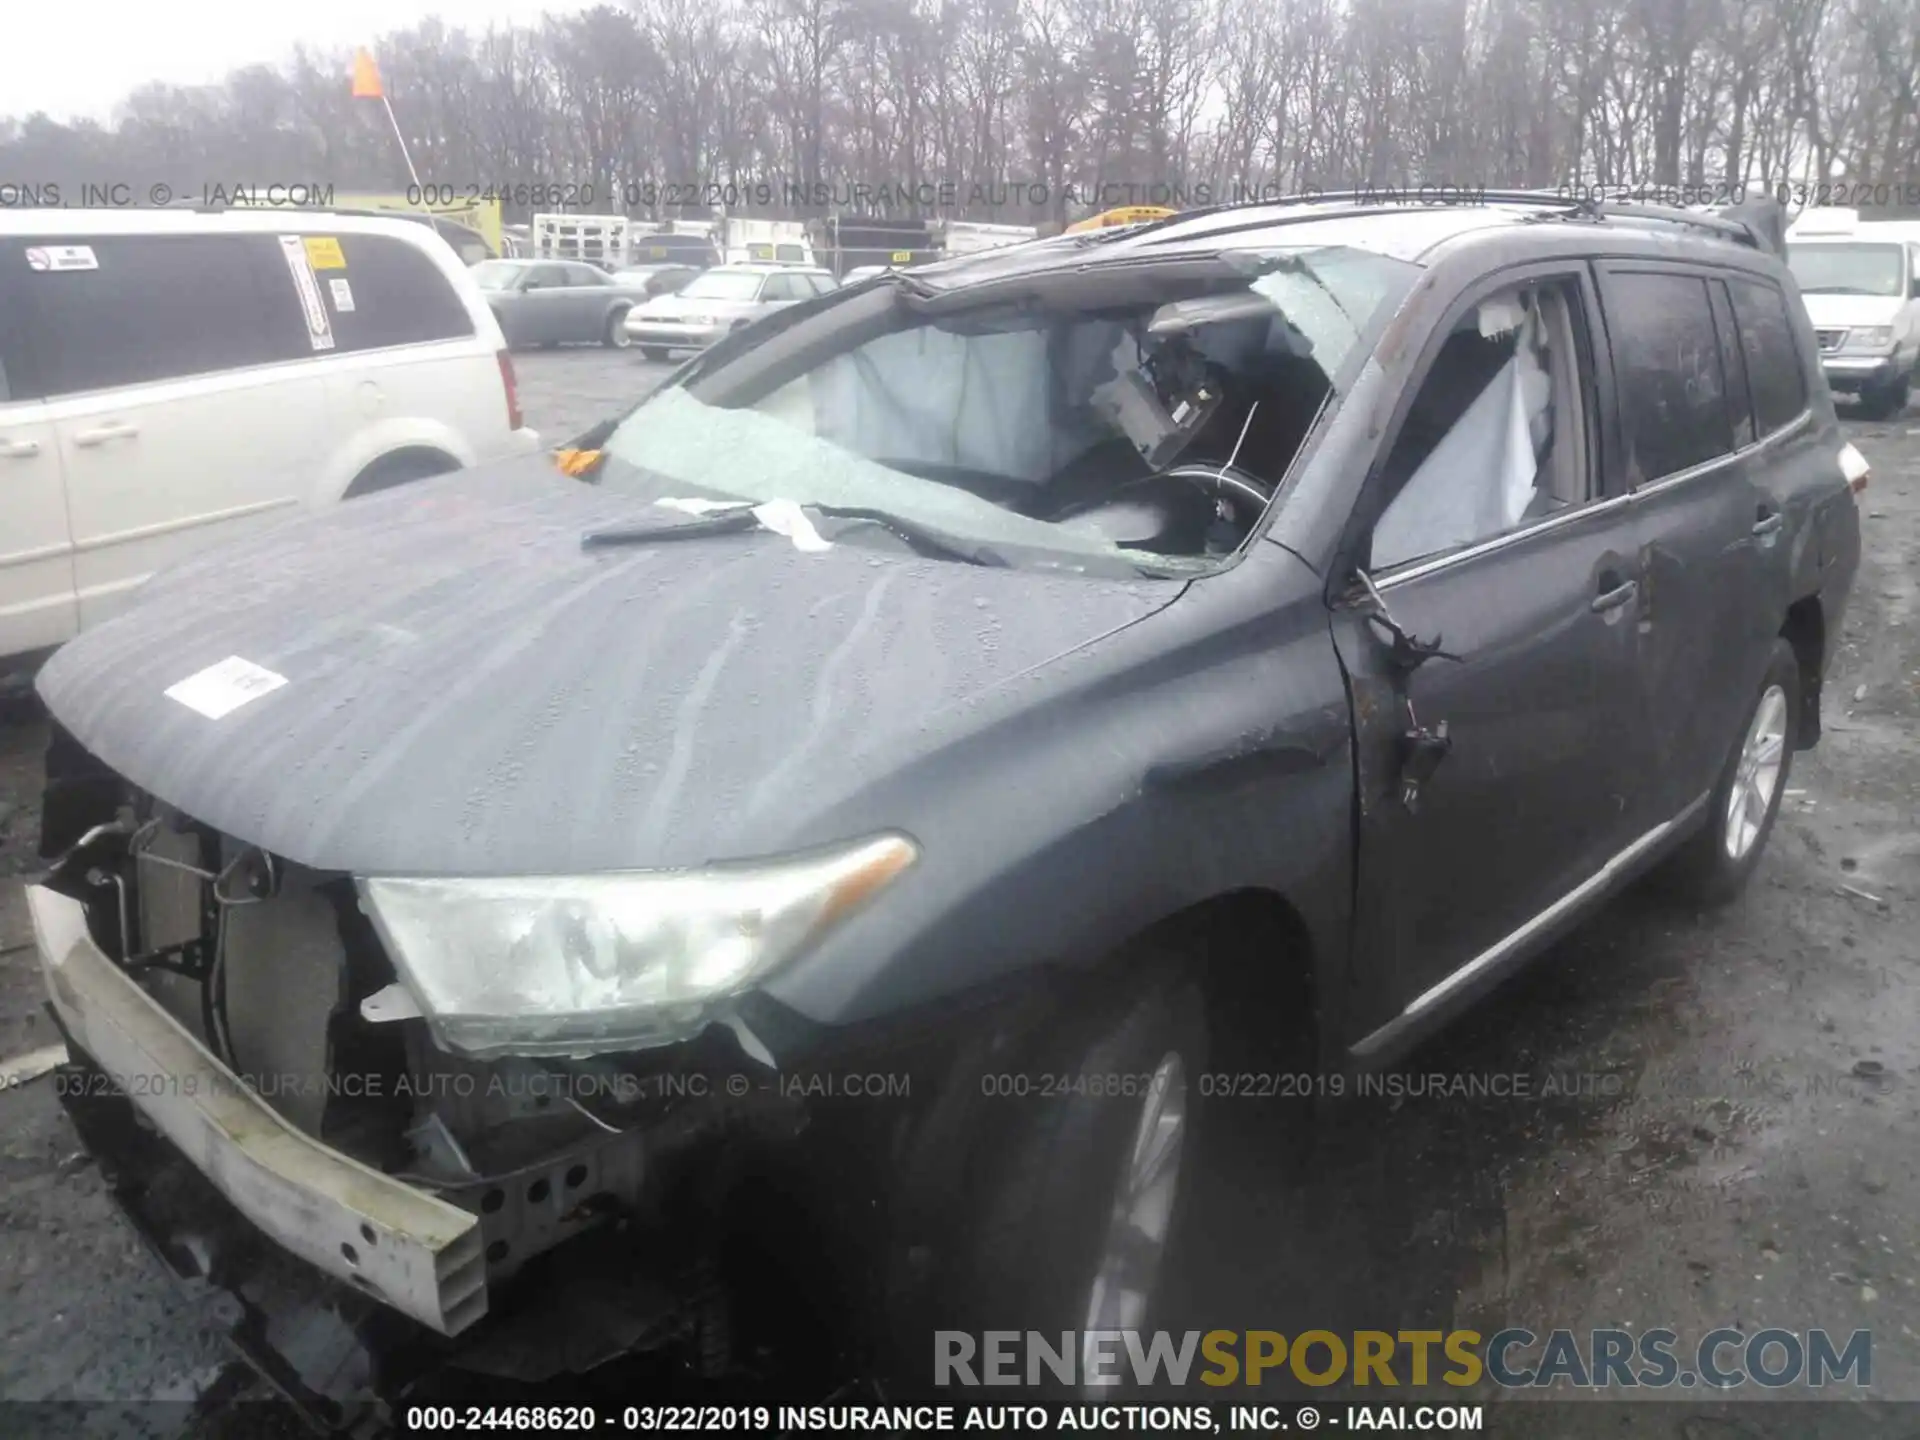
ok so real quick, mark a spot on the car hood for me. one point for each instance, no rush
(467, 691)
(1844, 312)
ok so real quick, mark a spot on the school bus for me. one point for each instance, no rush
(1124, 215)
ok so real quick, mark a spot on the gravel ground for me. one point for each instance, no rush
(564, 391)
(1748, 1154)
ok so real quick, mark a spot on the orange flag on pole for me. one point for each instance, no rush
(366, 77)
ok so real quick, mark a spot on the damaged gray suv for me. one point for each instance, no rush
(847, 816)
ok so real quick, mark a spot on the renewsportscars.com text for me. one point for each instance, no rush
(1722, 1359)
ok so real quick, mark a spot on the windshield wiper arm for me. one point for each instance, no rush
(727, 522)
(923, 538)
(734, 521)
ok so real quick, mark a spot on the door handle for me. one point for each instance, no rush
(19, 449)
(1769, 524)
(101, 434)
(1620, 594)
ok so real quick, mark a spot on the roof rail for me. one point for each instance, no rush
(1756, 223)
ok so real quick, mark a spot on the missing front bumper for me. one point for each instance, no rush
(399, 1246)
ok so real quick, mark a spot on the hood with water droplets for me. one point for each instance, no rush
(467, 691)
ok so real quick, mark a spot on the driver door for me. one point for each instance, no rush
(543, 303)
(1491, 537)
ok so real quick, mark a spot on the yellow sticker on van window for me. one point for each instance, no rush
(902, 257)
(323, 253)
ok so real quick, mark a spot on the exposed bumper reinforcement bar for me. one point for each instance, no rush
(398, 1245)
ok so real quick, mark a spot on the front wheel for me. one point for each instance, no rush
(1716, 863)
(616, 337)
(1887, 401)
(1085, 1189)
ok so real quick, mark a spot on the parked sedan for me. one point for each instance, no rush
(651, 280)
(553, 302)
(718, 301)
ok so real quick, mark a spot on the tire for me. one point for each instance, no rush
(1714, 865)
(655, 352)
(1068, 1170)
(1886, 402)
(615, 336)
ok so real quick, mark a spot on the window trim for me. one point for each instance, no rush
(1419, 569)
(1575, 272)
(1733, 457)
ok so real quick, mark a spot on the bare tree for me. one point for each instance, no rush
(1018, 105)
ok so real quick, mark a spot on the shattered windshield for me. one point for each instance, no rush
(1848, 269)
(1138, 421)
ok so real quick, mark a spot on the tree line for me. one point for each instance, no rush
(1030, 109)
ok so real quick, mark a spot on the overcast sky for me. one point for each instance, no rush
(81, 57)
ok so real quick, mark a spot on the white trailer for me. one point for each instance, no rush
(969, 237)
(765, 242)
(597, 239)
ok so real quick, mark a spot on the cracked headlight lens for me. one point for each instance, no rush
(582, 965)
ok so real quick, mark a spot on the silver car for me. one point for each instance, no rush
(551, 302)
(717, 301)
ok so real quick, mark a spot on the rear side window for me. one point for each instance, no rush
(133, 309)
(1774, 371)
(397, 296)
(1668, 375)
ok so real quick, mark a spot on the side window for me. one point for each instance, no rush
(1666, 359)
(1733, 363)
(397, 296)
(1774, 371)
(821, 283)
(547, 277)
(1497, 433)
(146, 308)
(779, 287)
(585, 275)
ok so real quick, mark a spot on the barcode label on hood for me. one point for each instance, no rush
(223, 688)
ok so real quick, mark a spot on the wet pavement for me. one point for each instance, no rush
(1701, 1120)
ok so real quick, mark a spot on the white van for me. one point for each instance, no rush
(172, 378)
(1861, 283)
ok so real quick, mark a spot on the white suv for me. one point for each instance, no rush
(169, 379)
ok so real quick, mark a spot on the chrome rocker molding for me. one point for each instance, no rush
(1514, 946)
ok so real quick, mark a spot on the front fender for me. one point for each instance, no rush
(1201, 751)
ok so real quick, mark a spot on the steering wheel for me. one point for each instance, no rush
(1221, 482)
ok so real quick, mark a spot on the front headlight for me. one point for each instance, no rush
(582, 965)
(1872, 338)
